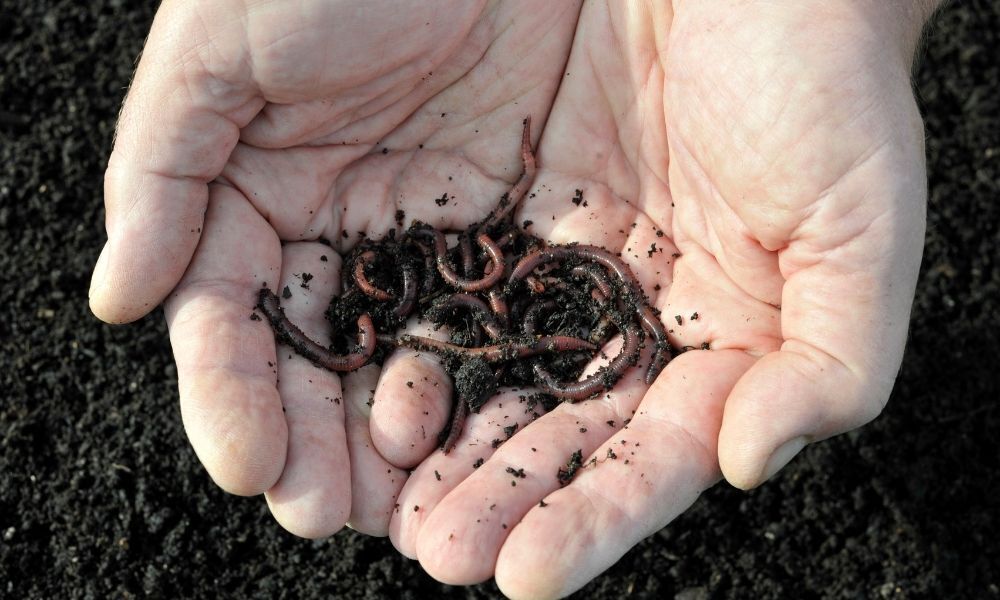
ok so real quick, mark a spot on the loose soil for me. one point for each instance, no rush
(101, 495)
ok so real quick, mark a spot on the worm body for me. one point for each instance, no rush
(289, 333)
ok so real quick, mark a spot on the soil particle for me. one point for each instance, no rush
(475, 382)
(565, 475)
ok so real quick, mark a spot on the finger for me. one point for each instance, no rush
(502, 416)
(225, 360)
(632, 485)
(375, 483)
(845, 310)
(190, 96)
(412, 402)
(459, 542)
(312, 498)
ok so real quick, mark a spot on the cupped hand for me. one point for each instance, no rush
(252, 131)
(760, 167)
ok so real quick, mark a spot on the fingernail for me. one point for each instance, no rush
(781, 457)
(100, 271)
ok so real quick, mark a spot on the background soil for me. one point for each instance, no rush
(100, 494)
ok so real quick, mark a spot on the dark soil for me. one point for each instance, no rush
(101, 495)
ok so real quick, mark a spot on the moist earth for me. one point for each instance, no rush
(101, 495)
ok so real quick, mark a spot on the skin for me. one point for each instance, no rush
(776, 145)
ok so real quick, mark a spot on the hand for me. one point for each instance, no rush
(779, 148)
(253, 124)
(840, 127)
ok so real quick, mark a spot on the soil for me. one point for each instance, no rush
(101, 495)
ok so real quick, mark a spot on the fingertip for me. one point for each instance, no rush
(242, 460)
(117, 296)
(742, 463)
(433, 552)
(783, 455)
(786, 400)
(411, 405)
(97, 282)
(746, 471)
(244, 477)
(143, 260)
(517, 570)
(311, 518)
(518, 577)
(754, 424)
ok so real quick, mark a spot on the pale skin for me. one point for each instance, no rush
(775, 147)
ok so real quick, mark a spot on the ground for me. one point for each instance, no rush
(101, 495)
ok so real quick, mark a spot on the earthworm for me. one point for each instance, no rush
(597, 277)
(532, 261)
(601, 256)
(427, 286)
(598, 381)
(476, 331)
(498, 304)
(480, 311)
(448, 273)
(498, 352)
(458, 415)
(364, 285)
(531, 315)
(465, 251)
(290, 334)
(507, 238)
(511, 199)
(661, 347)
(519, 306)
(408, 299)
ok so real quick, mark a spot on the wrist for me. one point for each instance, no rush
(902, 20)
(885, 28)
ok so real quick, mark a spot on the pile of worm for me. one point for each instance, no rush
(519, 312)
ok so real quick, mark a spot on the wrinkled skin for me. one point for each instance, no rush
(776, 148)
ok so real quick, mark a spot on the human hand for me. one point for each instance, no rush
(779, 149)
(253, 124)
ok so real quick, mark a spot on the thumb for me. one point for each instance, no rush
(191, 94)
(844, 315)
